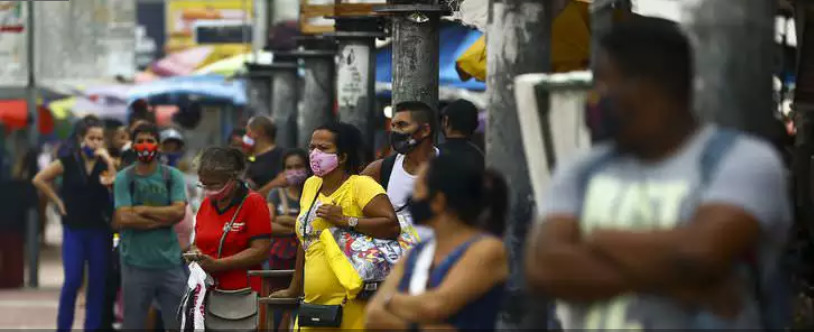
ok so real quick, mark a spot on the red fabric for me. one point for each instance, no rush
(14, 116)
(254, 221)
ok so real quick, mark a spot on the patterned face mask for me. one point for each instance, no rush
(146, 152)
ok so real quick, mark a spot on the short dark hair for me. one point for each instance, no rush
(462, 116)
(419, 111)
(146, 128)
(222, 160)
(348, 141)
(479, 198)
(297, 152)
(655, 49)
(264, 124)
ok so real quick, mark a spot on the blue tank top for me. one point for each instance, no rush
(480, 314)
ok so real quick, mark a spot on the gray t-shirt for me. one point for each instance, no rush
(627, 193)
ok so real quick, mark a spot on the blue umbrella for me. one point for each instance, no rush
(180, 89)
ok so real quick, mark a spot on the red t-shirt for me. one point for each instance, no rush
(253, 222)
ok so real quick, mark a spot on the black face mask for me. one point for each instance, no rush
(403, 142)
(419, 210)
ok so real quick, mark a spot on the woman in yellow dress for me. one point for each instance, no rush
(336, 196)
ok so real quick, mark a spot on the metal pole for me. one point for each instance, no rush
(356, 73)
(284, 84)
(318, 55)
(415, 26)
(734, 62)
(32, 224)
(518, 42)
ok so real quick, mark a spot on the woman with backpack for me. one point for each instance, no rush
(84, 202)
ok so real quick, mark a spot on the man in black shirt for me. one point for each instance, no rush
(265, 158)
(459, 120)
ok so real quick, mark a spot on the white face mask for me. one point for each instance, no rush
(248, 140)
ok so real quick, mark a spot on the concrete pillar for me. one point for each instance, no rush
(518, 42)
(414, 29)
(259, 88)
(734, 61)
(284, 86)
(317, 54)
(356, 73)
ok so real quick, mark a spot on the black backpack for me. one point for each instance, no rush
(387, 169)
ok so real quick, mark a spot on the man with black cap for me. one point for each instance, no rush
(459, 121)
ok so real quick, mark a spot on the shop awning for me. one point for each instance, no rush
(570, 44)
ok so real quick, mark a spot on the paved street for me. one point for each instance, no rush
(37, 308)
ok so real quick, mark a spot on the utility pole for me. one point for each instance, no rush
(734, 62)
(518, 42)
(284, 86)
(317, 54)
(32, 223)
(356, 73)
(259, 88)
(414, 29)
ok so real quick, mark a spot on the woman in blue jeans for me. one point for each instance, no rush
(87, 171)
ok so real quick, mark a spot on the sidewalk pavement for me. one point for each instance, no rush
(27, 308)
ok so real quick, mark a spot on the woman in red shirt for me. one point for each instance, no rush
(248, 241)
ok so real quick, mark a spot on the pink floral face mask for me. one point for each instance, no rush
(323, 163)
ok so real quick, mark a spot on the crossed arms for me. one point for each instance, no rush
(149, 217)
(690, 263)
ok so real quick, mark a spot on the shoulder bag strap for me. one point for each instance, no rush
(228, 226)
(304, 221)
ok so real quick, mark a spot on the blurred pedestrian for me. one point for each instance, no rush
(411, 136)
(236, 138)
(119, 142)
(336, 196)
(172, 147)
(150, 199)
(459, 121)
(434, 287)
(265, 157)
(284, 206)
(672, 223)
(85, 205)
(227, 254)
